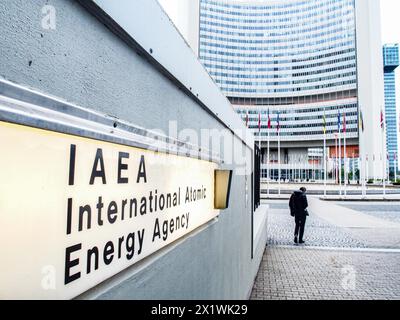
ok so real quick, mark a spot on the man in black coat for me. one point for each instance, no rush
(298, 209)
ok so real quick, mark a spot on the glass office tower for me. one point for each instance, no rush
(298, 59)
(390, 63)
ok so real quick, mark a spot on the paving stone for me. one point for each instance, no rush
(320, 269)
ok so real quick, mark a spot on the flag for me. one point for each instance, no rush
(247, 119)
(324, 123)
(361, 121)
(269, 120)
(277, 123)
(338, 122)
(382, 121)
(259, 122)
(344, 122)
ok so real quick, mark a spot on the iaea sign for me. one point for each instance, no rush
(75, 211)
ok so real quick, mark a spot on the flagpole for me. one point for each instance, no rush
(259, 137)
(268, 154)
(260, 157)
(299, 163)
(383, 153)
(354, 169)
(384, 168)
(388, 168)
(384, 171)
(325, 164)
(294, 171)
(301, 160)
(268, 163)
(366, 170)
(395, 167)
(300, 170)
(345, 158)
(363, 174)
(340, 164)
(279, 154)
(279, 164)
(313, 167)
(336, 160)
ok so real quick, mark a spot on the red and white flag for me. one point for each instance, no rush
(259, 122)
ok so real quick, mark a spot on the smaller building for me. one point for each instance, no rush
(390, 63)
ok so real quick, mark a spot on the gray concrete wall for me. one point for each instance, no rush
(84, 63)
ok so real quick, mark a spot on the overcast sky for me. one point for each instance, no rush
(390, 21)
(390, 10)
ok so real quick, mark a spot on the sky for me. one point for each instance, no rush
(391, 31)
(390, 21)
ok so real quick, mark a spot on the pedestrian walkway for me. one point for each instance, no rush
(345, 257)
(300, 273)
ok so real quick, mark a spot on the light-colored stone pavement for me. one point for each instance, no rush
(297, 274)
(352, 260)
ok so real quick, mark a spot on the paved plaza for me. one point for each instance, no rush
(352, 251)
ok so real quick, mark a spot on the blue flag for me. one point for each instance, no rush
(277, 123)
(338, 121)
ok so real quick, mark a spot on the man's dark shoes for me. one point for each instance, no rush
(295, 239)
(301, 242)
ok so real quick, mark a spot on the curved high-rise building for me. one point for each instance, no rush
(309, 63)
(297, 57)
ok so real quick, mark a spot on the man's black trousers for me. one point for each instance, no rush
(300, 224)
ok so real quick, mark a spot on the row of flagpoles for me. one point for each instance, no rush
(341, 130)
(269, 126)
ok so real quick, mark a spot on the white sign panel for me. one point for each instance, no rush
(76, 211)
